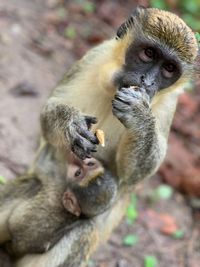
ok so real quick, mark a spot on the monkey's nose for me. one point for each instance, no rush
(142, 78)
(146, 81)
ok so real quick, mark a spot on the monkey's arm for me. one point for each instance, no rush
(15, 198)
(68, 251)
(62, 122)
(83, 95)
(143, 146)
(10, 198)
(64, 126)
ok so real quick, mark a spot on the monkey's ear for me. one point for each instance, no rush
(129, 23)
(70, 203)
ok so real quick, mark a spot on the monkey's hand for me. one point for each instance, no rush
(83, 142)
(142, 144)
(131, 107)
(65, 127)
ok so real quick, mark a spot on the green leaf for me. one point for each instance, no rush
(131, 213)
(164, 191)
(190, 6)
(70, 32)
(150, 261)
(158, 4)
(130, 240)
(61, 12)
(129, 221)
(134, 199)
(2, 179)
(197, 35)
(179, 234)
(191, 21)
(90, 263)
(89, 7)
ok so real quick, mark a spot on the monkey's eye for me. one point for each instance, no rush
(90, 163)
(78, 173)
(148, 54)
(169, 69)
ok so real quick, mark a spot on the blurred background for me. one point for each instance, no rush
(39, 40)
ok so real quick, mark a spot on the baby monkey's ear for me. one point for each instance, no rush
(70, 203)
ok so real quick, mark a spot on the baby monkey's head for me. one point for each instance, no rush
(91, 189)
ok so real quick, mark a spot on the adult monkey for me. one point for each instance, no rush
(153, 50)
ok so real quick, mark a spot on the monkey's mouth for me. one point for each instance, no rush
(148, 91)
(134, 87)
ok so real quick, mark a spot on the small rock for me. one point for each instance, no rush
(16, 29)
(122, 263)
(24, 89)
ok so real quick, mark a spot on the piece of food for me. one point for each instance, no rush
(100, 136)
(134, 87)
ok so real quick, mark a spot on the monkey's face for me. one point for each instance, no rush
(149, 66)
(91, 189)
(159, 50)
(83, 170)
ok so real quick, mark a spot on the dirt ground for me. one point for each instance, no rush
(38, 42)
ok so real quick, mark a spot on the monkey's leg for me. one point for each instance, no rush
(5, 260)
(65, 126)
(75, 248)
(8, 202)
(4, 232)
(143, 146)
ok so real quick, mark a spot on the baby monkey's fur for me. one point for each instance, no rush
(37, 209)
(153, 50)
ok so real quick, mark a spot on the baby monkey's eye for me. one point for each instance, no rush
(90, 163)
(78, 173)
(148, 54)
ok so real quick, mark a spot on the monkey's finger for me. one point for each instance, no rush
(140, 94)
(90, 120)
(120, 106)
(88, 135)
(83, 146)
(121, 115)
(89, 151)
(78, 150)
(130, 92)
(133, 98)
(79, 153)
(125, 100)
(94, 150)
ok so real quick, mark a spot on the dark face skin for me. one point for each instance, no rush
(150, 67)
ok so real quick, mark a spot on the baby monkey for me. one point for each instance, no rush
(36, 210)
(90, 190)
